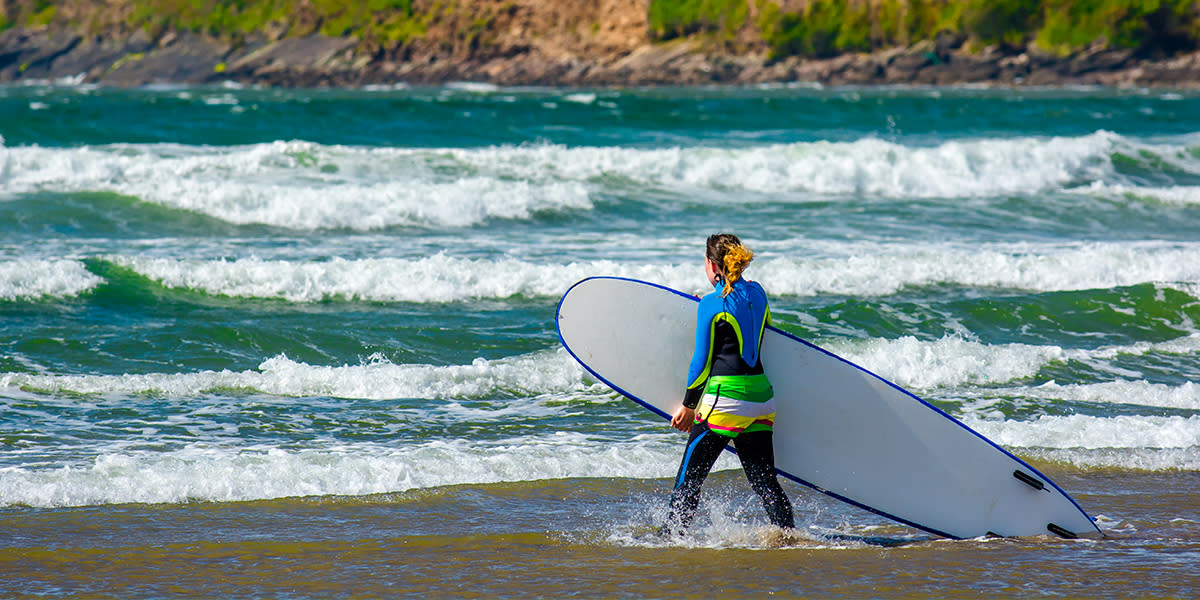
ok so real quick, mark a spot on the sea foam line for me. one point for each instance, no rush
(1125, 442)
(953, 361)
(221, 473)
(526, 375)
(1093, 433)
(1176, 195)
(879, 269)
(307, 186)
(921, 366)
(953, 169)
(437, 278)
(869, 270)
(1185, 396)
(214, 473)
(296, 185)
(31, 279)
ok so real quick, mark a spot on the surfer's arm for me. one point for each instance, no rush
(698, 370)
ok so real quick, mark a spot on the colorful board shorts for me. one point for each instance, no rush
(733, 404)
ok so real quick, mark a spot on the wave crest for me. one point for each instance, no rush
(307, 186)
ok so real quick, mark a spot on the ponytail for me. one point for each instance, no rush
(727, 250)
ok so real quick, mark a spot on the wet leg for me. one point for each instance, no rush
(702, 451)
(757, 453)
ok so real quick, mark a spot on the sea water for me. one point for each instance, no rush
(301, 343)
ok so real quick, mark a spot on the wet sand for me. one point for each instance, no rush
(593, 538)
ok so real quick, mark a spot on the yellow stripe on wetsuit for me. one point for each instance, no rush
(712, 339)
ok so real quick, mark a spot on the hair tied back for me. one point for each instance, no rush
(728, 251)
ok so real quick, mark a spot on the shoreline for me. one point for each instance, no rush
(318, 61)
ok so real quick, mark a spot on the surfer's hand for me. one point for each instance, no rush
(683, 418)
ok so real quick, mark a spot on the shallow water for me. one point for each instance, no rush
(301, 343)
(591, 538)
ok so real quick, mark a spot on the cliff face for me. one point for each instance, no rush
(507, 42)
(519, 41)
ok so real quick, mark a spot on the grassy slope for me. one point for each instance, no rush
(829, 27)
(806, 28)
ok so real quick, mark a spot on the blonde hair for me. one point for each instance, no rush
(731, 255)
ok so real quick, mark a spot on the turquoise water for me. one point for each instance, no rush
(261, 342)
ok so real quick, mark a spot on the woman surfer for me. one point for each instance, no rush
(728, 396)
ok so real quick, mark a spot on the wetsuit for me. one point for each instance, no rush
(733, 401)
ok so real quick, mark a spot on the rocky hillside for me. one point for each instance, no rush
(603, 42)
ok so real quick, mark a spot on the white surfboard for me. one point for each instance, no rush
(840, 429)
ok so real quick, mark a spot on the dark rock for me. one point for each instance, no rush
(270, 59)
(296, 56)
(904, 67)
(946, 42)
(94, 56)
(31, 54)
(188, 59)
(1104, 60)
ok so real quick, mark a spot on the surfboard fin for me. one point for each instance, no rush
(1061, 532)
(1029, 480)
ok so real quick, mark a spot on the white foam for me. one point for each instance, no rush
(521, 376)
(871, 270)
(580, 98)
(954, 169)
(463, 202)
(292, 184)
(1089, 432)
(473, 87)
(32, 279)
(212, 469)
(953, 361)
(1134, 393)
(1176, 195)
(921, 366)
(438, 278)
(223, 99)
(1141, 459)
(206, 472)
(303, 185)
(386, 87)
(1139, 442)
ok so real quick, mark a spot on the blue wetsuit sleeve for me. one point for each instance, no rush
(701, 353)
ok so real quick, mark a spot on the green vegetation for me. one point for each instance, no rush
(43, 12)
(375, 22)
(32, 12)
(829, 27)
(1005, 22)
(825, 28)
(383, 22)
(1169, 24)
(814, 28)
(685, 17)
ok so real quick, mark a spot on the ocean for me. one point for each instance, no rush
(301, 343)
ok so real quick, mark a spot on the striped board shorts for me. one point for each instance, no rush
(733, 404)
